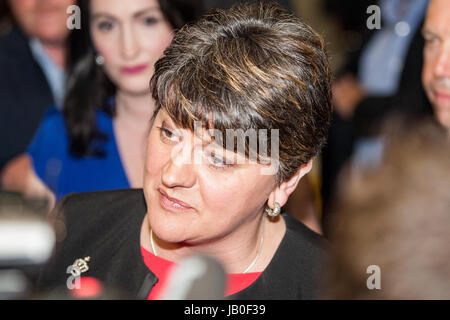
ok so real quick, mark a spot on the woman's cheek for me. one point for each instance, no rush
(220, 191)
(155, 48)
(156, 155)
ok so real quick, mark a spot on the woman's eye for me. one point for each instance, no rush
(149, 21)
(217, 162)
(166, 134)
(105, 26)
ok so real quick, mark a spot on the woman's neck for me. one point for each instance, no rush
(235, 252)
(134, 111)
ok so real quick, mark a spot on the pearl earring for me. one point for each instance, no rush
(275, 211)
(99, 60)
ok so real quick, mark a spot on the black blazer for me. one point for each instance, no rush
(24, 95)
(106, 227)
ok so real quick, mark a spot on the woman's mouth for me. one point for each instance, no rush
(172, 204)
(442, 96)
(134, 69)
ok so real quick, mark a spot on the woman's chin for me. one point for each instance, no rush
(169, 229)
(137, 90)
(131, 84)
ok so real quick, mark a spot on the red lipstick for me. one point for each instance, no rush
(134, 69)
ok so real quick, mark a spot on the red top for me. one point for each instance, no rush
(161, 268)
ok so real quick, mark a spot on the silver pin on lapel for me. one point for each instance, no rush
(80, 266)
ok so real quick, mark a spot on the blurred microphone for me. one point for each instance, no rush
(26, 242)
(196, 278)
(26, 237)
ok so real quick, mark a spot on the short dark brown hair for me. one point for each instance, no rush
(254, 66)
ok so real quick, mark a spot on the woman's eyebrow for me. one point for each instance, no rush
(137, 14)
(99, 15)
(167, 122)
(145, 11)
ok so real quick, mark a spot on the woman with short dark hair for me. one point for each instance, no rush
(242, 106)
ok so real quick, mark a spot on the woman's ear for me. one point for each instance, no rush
(282, 192)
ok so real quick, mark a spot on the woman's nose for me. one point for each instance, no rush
(179, 170)
(129, 43)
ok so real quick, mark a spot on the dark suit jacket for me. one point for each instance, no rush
(24, 95)
(410, 99)
(106, 227)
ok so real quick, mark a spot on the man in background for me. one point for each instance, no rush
(381, 78)
(32, 60)
(436, 69)
(396, 217)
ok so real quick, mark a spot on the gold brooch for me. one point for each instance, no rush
(80, 266)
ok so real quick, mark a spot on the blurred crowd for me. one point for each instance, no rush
(74, 117)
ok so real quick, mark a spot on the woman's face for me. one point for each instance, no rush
(131, 35)
(191, 196)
